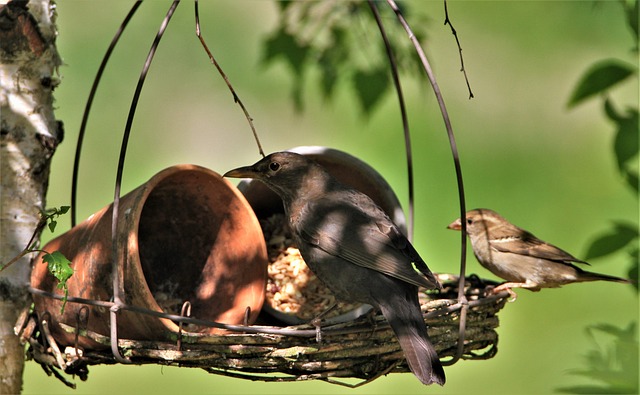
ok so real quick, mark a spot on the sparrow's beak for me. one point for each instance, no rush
(455, 225)
(242, 172)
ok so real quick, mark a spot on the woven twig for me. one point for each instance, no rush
(364, 348)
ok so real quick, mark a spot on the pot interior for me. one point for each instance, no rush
(177, 233)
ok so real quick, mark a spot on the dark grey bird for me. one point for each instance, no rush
(355, 249)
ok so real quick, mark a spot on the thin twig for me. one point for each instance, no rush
(366, 353)
(447, 21)
(403, 113)
(28, 249)
(358, 349)
(16, 258)
(55, 350)
(456, 160)
(61, 378)
(226, 80)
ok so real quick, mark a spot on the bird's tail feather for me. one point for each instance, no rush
(406, 321)
(591, 276)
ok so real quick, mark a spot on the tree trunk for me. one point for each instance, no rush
(29, 136)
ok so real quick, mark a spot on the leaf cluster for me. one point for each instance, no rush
(59, 266)
(598, 81)
(339, 40)
(614, 365)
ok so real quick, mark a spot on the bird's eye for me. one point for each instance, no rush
(469, 221)
(274, 166)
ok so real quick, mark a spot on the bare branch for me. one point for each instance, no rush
(226, 80)
(447, 21)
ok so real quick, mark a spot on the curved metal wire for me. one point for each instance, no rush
(456, 160)
(337, 329)
(117, 275)
(403, 113)
(87, 109)
(118, 290)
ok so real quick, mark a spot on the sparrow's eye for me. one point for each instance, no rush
(469, 221)
(274, 166)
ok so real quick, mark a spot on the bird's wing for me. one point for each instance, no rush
(525, 243)
(389, 234)
(366, 237)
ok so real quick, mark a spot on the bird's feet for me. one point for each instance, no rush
(317, 322)
(494, 290)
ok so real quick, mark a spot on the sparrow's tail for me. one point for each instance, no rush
(407, 323)
(590, 276)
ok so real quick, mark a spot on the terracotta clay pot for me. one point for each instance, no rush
(185, 235)
(350, 171)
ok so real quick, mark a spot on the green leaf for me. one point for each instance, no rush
(59, 266)
(63, 210)
(337, 40)
(626, 142)
(284, 4)
(284, 45)
(52, 225)
(633, 180)
(613, 240)
(634, 256)
(613, 362)
(370, 87)
(599, 78)
(332, 59)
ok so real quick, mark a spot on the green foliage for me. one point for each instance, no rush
(60, 267)
(342, 42)
(615, 239)
(57, 263)
(601, 77)
(622, 235)
(52, 213)
(370, 85)
(614, 365)
(599, 80)
(625, 141)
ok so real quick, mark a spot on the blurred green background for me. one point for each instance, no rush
(524, 154)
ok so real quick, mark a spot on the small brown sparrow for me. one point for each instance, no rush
(519, 257)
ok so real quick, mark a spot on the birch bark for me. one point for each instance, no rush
(29, 134)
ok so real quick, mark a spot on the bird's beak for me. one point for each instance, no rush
(455, 225)
(242, 172)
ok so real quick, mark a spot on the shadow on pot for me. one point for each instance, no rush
(185, 235)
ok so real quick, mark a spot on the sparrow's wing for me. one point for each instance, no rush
(363, 235)
(525, 243)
